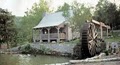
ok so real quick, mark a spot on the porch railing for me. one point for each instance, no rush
(53, 36)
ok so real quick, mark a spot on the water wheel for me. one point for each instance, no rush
(90, 43)
(88, 36)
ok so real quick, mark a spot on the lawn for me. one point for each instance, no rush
(113, 39)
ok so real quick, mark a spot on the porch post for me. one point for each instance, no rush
(101, 30)
(58, 40)
(33, 35)
(48, 34)
(107, 32)
(40, 34)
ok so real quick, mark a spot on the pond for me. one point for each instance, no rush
(19, 59)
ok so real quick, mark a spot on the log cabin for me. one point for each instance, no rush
(53, 27)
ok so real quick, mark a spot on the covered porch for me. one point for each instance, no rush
(50, 34)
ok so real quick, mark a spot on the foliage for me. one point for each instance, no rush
(44, 49)
(65, 8)
(31, 19)
(80, 15)
(27, 49)
(108, 13)
(20, 35)
(76, 41)
(7, 27)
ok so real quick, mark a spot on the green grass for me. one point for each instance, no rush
(113, 39)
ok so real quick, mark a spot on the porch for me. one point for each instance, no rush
(53, 36)
(50, 34)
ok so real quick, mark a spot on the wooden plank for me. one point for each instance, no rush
(94, 60)
(100, 23)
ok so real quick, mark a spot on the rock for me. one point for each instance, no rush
(114, 45)
(77, 52)
(102, 55)
(53, 41)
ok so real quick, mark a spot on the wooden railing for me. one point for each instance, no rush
(53, 36)
(44, 36)
(62, 36)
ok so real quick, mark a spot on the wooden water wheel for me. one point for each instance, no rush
(90, 44)
(88, 36)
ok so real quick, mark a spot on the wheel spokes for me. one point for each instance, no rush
(92, 47)
(91, 42)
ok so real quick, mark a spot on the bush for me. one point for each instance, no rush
(76, 41)
(44, 49)
(26, 49)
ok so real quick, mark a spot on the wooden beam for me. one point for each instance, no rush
(33, 35)
(107, 32)
(40, 35)
(94, 60)
(48, 35)
(58, 40)
(101, 30)
(99, 23)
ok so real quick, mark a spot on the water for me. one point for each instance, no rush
(19, 59)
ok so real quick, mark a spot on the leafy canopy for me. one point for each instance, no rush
(31, 19)
(7, 29)
(81, 14)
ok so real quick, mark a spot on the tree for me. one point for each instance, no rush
(7, 30)
(65, 8)
(100, 13)
(117, 23)
(106, 12)
(80, 15)
(31, 19)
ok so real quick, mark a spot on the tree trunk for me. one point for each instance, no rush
(0, 45)
(7, 45)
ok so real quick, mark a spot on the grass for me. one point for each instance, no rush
(113, 39)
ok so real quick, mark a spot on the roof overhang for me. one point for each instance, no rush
(100, 23)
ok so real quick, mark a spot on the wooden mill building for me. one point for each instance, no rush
(53, 27)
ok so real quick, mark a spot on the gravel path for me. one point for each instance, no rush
(64, 48)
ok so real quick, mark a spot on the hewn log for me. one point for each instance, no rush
(94, 60)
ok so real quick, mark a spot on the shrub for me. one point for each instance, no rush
(44, 50)
(26, 49)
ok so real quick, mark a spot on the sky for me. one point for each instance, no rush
(18, 7)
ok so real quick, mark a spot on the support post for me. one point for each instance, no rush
(58, 40)
(101, 30)
(107, 32)
(40, 34)
(33, 35)
(48, 35)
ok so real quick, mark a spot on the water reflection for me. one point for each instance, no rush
(18, 59)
